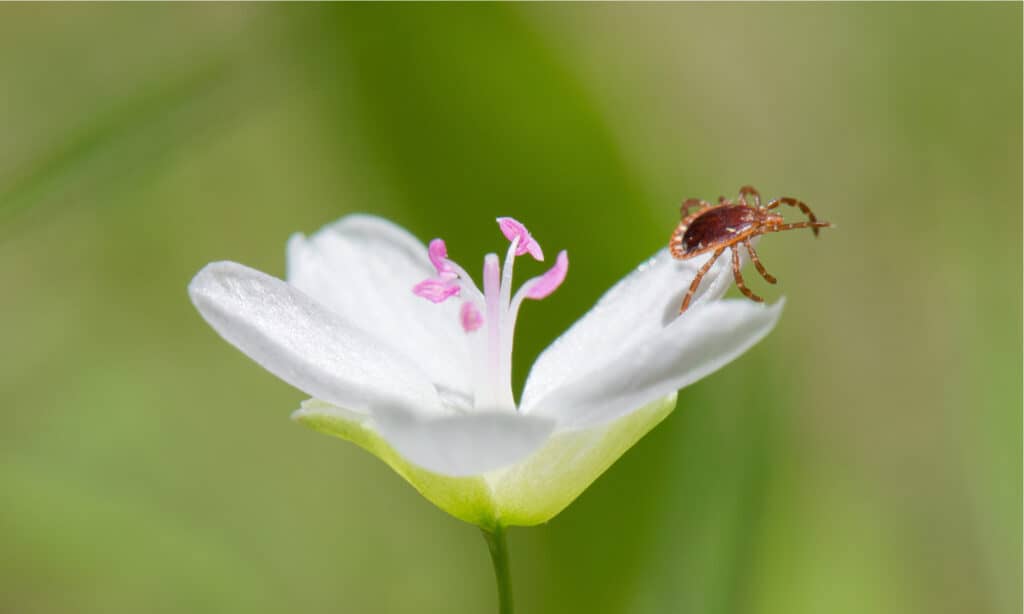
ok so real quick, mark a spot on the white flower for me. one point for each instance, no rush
(406, 357)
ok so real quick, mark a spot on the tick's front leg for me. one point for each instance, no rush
(697, 279)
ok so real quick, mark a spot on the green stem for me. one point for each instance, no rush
(499, 557)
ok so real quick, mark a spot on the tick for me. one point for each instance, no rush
(715, 228)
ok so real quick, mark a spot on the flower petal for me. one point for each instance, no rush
(707, 338)
(528, 492)
(455, 446)
(364, 268)
(641, 305)
(303, 343)
(464, 444)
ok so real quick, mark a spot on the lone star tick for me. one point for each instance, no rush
(714, 228)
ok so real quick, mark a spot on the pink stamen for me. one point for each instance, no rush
(492, 300)
(492, 293)
(435, 290)
(543, 286)
(494, 309)
(471, 317)
(513, 229)
(438, 253)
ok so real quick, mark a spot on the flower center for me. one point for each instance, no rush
(489, 318)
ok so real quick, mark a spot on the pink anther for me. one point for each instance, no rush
(541, 287)
(470, 317)
(512, 229)
(438, 253)
(435, 290)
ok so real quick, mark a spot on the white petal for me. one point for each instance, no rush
(306, 345)
(364, 268)
(710, 336)
(465, 444)
(641, 305)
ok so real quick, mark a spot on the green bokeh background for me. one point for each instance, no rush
(866, 457)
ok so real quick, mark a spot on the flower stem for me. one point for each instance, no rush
(499, 557)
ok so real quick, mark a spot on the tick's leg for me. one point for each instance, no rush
(700, 275)
(739, 278)
(675, 243)
(768, 277)
(748, 190)
(814, 225)
(684, 209)
(792, 202)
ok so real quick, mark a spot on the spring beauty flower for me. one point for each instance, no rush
(404, 355)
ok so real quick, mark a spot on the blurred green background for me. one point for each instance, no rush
(865, 457)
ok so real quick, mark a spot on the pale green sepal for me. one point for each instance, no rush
(466, 498)
(538, 488)
(527, 493)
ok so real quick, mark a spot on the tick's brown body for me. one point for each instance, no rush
(714, 228)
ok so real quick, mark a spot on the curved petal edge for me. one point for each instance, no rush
(709, 337)
(545, 483)
(297, 339)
